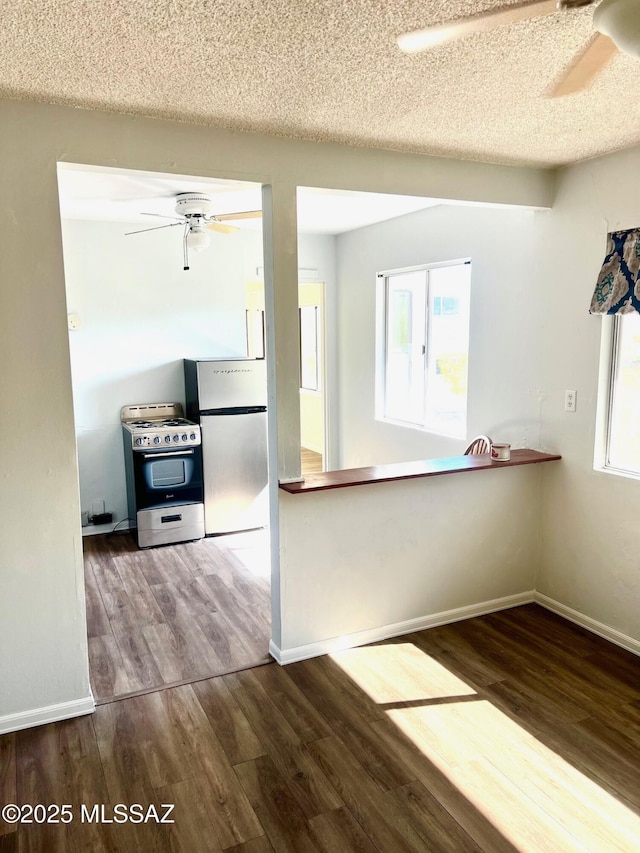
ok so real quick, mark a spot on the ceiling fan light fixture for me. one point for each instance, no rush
(620, 20)
(197, 238)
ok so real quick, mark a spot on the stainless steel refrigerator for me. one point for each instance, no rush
(228, 398)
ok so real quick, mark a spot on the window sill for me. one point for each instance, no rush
(617, 472)
(412, 470)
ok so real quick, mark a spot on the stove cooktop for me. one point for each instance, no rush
(159, 422)
(159, 426)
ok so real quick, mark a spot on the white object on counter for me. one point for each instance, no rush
(500, 452)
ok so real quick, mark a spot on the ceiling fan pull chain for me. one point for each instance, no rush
(185, 247)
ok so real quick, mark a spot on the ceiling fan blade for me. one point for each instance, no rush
(160, 215)
(243, 214)
(155, 228)
(586, 66)
(221, 227)
(418, 40)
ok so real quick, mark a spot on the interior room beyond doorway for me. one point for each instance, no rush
(144, 293)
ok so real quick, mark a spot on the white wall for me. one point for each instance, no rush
(591, 536)
(43, 651)
(503, 390)
(404, 551)
(141, 314)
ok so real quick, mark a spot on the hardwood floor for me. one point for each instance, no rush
(174, 614)
(511, 732)
(310, 461)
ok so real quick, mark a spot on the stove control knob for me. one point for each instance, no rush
(156, 439)
(176, 438)
(184, 436)
(192, 436)
(167, 439)
(139, 441)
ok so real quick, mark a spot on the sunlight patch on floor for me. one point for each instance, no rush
(530, 793)
(399, 672)
(533, 796)
(252, 548)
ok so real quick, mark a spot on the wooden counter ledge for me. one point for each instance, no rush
(411, 470)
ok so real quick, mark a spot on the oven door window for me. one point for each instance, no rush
(168, 473)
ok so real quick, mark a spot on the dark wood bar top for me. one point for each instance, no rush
(411, 470)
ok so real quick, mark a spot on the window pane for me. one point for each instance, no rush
(448, 337)
(309, 348)
(624, 426)
(404, 368)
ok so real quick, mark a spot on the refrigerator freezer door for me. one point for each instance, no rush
(234, 453)
(231, 384)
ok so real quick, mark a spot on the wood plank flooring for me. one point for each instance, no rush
(511, 732)
(310, 461)
(174, 614)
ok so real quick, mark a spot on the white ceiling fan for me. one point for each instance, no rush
(193, 212)
(617, 25)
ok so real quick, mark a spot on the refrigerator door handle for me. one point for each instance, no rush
(233, 410)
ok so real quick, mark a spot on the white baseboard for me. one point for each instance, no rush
(599, 628)
(95, 529)
(48, 714)
(385, 632)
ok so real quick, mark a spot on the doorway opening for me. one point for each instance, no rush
(186, 610)
(313, 394)
(311, 298)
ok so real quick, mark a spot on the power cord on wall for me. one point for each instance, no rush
(116, 532)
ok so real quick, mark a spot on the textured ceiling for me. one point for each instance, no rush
(326, 70)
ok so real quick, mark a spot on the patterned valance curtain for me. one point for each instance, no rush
(618, 287)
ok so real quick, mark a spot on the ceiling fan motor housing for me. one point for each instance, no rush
(620, 20)
(193, 204)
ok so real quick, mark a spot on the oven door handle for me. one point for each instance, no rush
(168, 453)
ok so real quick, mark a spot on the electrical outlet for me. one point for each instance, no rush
(97, 507)
(570, 399)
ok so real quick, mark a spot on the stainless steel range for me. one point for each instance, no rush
(163, 463)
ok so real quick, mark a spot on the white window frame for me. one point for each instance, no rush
(604, 411)
(381, 347)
